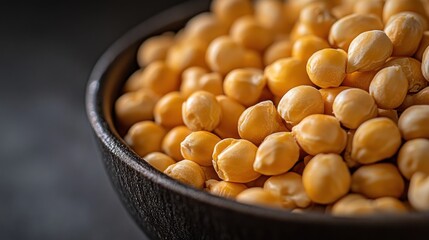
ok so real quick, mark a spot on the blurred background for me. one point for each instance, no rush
(52, 181)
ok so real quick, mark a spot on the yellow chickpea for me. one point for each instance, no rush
(210, 173)
(300, 102)
(318, 19)
(225, 189)
(187, 172)
(285, 74)
(413, 157)
(412, 70)
(209, 82)
(378, 180)
(348, 28)
(405, 31)
(277, 50)
(424, 43)
(198, 147)
(201, 111)
(277, 154)
(259, 121)
(249, 33)
(204, 27)
(354, 106)
(375, 140)
(320, 133)
(183, 55)
(172, 140)
(328, 96)
(145, 137)
(157, 76)
(374, 7)
(290, 188)
(420, 98)
(389, 113)
(327, 67)
(224, 55)
(135, 106)
(392, 7)
(326, 178)
(271, 14)
(360, 80)
(413, 122)
(154, 49)
(304, 47)
(357, 205)
(168, 110)
(347, 154)
(233, 160)
(389, 87)
(244, 85)
(159, 161)
(425, 64)
(418, 193)
(191, 80)
(259, 196)
(230, 10)
(231, 112)
(369, 51)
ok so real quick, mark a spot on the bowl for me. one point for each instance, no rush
(167, 209)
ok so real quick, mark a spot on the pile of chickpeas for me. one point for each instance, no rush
(301, 105)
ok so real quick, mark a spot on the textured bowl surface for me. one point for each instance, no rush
(166, 209)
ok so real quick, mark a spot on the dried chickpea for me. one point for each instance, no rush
(425, 64)
(413, 157)
(259, 182)
(225, 189)
(389, 87)
(304, 47)
(154, 49)
(145, 137)
(327, 67)
(204, 27)
(259, 121)
(277, 50)
(201, 111)
(171, 142)
(277, 154)
(271, 14)
(369, 51)
(317, 18)
(300, 102)
(168, 110)
(378, 180)
(342, 10)
(347, 155)
(224, 55)
(198, 147)
(157, 76)
(244, 85)
(389, 113)
(184, 55)
(375, 140)
(191, 80)
(211, 82)
(414, 122)
(405, 31)
(158, 160)
(392, 7)
(210, 173)
(300, 30)
(374, 7)
(230, 10)
(285, 74)
(328, 96)
(420, 98)
(135, 106)
(233, 160)
(348, 28)
(252, 59)
(424, 43)
(187, 172)
(259, 196)
(412, 70)
(249, 33)
(357, 205)
(418, 193)
(354, 106)
(320, 133)
(360, 80)
(231, 112)
(326, 178)
(290, 188)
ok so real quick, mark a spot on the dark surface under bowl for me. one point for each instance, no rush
(167, 209)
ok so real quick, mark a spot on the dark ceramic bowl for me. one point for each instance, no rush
(167, 209)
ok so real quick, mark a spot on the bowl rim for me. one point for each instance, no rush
(100, 126)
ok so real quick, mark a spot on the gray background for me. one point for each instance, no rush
(52, 182)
